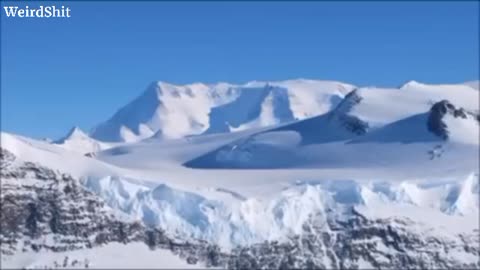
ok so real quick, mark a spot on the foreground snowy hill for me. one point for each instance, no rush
(293, 174)
(50, 220)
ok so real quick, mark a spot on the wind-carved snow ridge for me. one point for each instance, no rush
(242, 221)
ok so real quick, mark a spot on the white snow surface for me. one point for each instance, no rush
(110, 256)
(252, 181)
(380, 106)
(473, 84)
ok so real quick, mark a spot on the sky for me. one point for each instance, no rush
(59, 73)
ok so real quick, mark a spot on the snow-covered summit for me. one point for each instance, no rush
(78, 141)
(412, 84)
(174, 110)
(74, 133)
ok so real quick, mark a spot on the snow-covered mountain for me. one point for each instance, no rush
(365, 120)
(173, 111)
(292, 174)
(78, 141)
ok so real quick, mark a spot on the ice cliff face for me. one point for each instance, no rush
(242, 221)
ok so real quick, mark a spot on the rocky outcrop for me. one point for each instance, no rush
(439, 110)
(342, 114)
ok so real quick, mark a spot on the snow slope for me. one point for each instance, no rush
(55, 156)
(344, 138)
(473, 84)
(173, 111)
(379, 106)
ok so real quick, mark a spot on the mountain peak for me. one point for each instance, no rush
(411, 84)
(154, 89)
(74, 133)
(77, 140)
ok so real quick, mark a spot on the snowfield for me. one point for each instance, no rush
(118, 256)
(258, 165)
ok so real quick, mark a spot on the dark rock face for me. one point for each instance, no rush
(435, 122)
(359, 243)
(38, 202)
(90, 154)
(42, 209)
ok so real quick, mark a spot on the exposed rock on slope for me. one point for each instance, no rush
(342, 113)
(443, 109)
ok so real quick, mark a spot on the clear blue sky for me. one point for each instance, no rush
(62, 72)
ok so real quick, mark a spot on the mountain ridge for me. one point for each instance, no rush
(174, 111)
